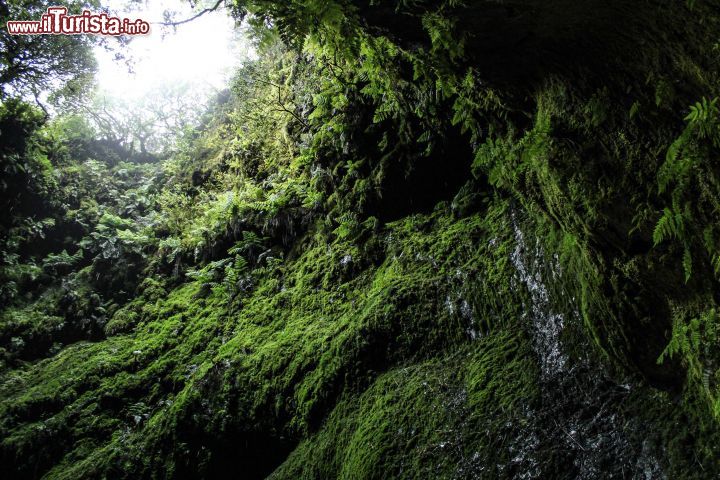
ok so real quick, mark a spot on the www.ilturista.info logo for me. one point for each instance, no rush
(57, 22)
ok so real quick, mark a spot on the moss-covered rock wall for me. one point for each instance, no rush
(416, 241)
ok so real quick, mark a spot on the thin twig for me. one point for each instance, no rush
(197, 15)
(571, 437)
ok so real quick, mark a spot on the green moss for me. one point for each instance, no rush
(312, 303)
(122, 321)
(326, 323)
(425, 420)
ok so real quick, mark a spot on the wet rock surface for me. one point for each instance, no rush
(580, 426)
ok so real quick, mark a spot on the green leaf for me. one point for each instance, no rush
(687, 264)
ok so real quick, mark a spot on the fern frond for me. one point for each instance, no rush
(665, 227)
(687, 264)
(716, 264)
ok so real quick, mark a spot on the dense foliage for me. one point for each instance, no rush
(412, 240)
(33, 65)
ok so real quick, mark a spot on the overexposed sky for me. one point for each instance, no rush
(202, 52)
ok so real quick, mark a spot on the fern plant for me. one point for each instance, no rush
(696, 343)
(690, 180)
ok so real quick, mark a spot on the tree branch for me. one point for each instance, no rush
(196, 16)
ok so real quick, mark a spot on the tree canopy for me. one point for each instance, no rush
(33, 65)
